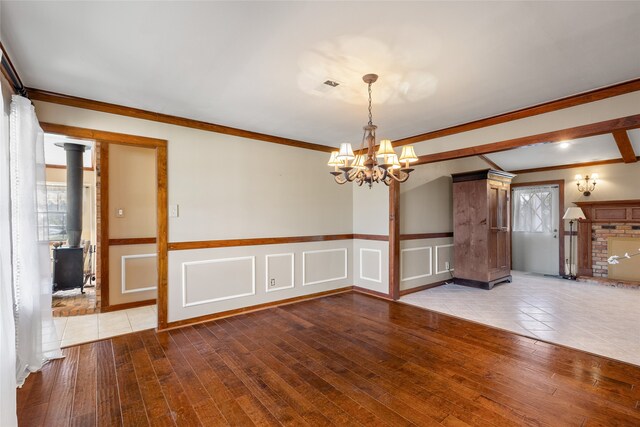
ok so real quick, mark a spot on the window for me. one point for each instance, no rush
(52, 222)
(533, 210)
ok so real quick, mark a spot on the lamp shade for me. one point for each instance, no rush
(333, 160)
(346, 152)
(408, 154)
(394, 163)
(385, 149)
(574, 213)
(358, 163)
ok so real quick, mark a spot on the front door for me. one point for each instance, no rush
(536, 219)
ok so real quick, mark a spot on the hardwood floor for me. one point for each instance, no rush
(347, 359)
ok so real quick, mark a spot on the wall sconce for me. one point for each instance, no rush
(587, 184)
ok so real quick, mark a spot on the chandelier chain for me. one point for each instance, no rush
(370, 113)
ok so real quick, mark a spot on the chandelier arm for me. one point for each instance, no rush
(402, 176)
(340, 179)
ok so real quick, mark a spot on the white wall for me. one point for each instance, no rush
(231, 188)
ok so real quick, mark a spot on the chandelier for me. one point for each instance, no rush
(383, 166)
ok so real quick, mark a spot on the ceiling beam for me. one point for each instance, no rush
(569, 166)
(600, 128)
(624, 145)
(105, 107)
(559, 104)
(490, 162)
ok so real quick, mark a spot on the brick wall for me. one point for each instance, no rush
(599, 246)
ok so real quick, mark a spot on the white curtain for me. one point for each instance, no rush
(533, 209)
(36, 340)
(7, 326)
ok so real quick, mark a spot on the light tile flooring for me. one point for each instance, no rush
(599, 319)
(91, 327)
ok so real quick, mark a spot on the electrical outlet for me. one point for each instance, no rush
(120, 213)
(173, 211)
(446, 265)
(272, 282)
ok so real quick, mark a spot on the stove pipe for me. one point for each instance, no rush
(74, 193)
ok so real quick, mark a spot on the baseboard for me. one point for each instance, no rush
(250, 309)
(422, 288)
(127, 305)
(376, 294)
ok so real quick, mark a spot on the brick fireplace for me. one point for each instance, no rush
(613, 224)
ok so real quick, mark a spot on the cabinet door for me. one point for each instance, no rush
(499, 244)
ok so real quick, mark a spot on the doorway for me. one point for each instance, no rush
(124, 299)
(537, 238)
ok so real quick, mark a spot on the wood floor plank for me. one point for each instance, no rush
(346, 359)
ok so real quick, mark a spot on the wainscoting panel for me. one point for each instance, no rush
(133, 273)
(419, 261)
(323, 266)
(371, 265)
(280, 272)
(415, 263)
(225, 278)
(444, 254)
(206, 281)
(139, 273)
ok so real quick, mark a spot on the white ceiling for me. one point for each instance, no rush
(594, 148)
(260, 65)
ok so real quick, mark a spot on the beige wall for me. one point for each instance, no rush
(132, 187)
(228, 188)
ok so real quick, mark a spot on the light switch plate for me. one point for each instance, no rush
(120, 213)
(173, 211)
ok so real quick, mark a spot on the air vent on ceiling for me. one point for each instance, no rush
(331, 83)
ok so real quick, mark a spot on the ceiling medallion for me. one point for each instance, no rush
(371, 167)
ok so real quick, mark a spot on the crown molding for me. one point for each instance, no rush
(105, 107)
(9, 72)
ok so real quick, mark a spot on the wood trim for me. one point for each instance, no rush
(10, 74)
(162, 235)
(46, 166)
(378, 237)
(561, 229)
(571, 166)
(127, 305)
(252, 308)
(624, 145)
(101, 135)
(419, 236)
(132, 241)
(490, 163)
(102, 169)
(103, 224)
(206, 244)
(607, 126)
(372, 293)
(89, 104)
(394, 240)
(547, 107)
(423, 287)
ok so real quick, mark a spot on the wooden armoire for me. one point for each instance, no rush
(481, 227)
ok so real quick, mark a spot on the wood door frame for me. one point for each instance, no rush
(560, 184)
(104, 139)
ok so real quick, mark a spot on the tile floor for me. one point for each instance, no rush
(599, 319)
(91, 327)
